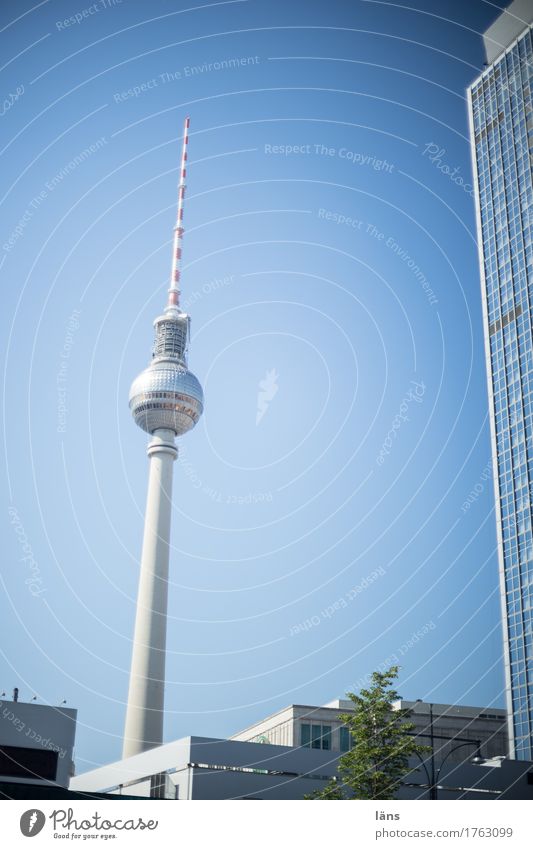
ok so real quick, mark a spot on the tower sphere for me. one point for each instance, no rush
(166, 395)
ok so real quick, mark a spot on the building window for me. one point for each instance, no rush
(305, 735)
(315, 736)
(345, 741)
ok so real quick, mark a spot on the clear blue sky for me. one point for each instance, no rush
(330, 239)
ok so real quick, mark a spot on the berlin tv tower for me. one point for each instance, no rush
(166, 400)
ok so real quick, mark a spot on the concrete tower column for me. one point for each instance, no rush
(144, 716)
(166, 401)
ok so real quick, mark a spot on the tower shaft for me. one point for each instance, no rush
(144, 716)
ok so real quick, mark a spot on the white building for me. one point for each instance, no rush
(321, 727)
(299, 751)
(206, 768)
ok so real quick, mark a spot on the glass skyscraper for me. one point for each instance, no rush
(501, 126)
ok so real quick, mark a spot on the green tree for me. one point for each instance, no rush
(382, 743)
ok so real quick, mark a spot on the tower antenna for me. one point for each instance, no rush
(174, 291)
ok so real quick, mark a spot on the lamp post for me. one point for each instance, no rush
(433, 777)
(477, 758)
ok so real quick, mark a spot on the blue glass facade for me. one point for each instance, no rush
(502, 142)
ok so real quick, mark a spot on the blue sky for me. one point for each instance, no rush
(330, 244)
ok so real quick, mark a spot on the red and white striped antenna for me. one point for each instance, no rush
(174, 291)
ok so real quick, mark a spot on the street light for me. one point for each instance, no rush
(433, 779)
(476, 759)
